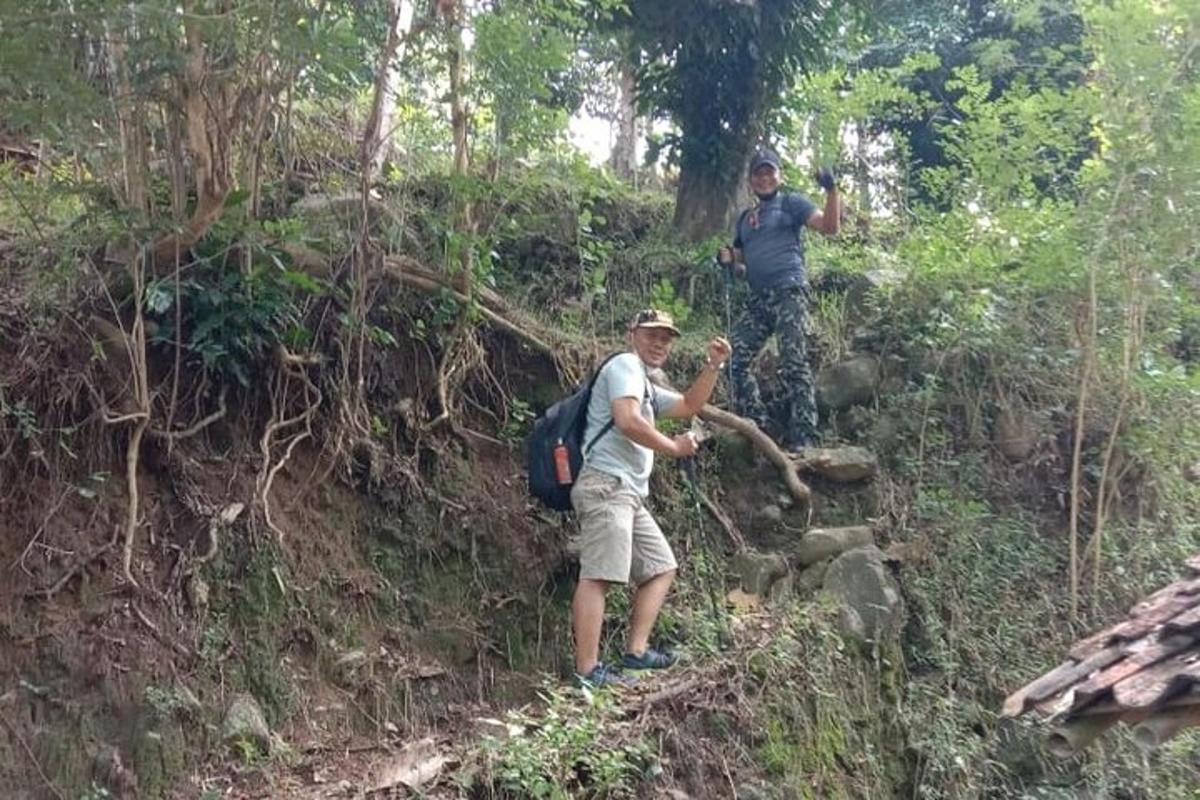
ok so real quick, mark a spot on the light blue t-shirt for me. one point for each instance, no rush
(614, 453)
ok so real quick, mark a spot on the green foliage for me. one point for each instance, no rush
(1021, 145)
(165, 702)
(815, 114)
(574, 748)
(662, 297)
(817, 743)
(518, 422)
(713, 73)
(231, 319)
(524, 64)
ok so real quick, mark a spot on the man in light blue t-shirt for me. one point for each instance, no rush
(619, 540)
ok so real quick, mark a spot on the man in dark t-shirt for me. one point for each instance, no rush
(768, 250)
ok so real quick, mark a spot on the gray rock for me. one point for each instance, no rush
(848, 383)
(783, 589)
(758, 571)
(870, 608)
(841, 464)
(244, 721)
(771, 514)
(822, 543)
(1014, 434)
(750, 791)
(349, 664)
(811, 578)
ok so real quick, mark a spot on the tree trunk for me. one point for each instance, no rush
(209, 128)
(459, 122)
(399, 27)
(706, 199)
(624, 154)
(458, 105)
(131, 127)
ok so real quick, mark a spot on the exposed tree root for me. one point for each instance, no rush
(159, 635)
(408, 272)
(748, 428)
(186, 433)
(271, 468)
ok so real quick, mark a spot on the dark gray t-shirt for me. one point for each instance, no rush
(773, 250)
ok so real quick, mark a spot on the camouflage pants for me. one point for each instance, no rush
(780, 311)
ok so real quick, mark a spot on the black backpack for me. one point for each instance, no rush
(564, 421)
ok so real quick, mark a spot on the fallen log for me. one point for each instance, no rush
(749, 429)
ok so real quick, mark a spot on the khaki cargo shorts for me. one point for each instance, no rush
(619, 541)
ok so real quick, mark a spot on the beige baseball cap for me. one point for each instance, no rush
(653, 318)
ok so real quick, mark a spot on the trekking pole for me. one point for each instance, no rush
(692, 485)
(728, 270)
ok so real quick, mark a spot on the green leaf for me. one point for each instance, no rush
(237, 197)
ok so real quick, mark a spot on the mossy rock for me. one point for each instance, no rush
(159, 757)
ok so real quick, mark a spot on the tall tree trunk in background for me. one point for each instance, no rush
(459, 122)
(131, 127)
(400, 17)
(624, 154)
(708, 188)
(713, 152)
(458, 104)
(862, 168)
(210, 124)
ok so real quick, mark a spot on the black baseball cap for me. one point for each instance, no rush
(765, 156)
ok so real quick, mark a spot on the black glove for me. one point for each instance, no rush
(824, 177)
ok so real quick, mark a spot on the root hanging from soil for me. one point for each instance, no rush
(187, 433)
(291, 368)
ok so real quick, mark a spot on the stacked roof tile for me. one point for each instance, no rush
(1144, 671)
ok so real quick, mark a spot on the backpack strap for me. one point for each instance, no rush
(608, 426)
(591, 385)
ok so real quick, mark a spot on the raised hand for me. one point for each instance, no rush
(824, 178)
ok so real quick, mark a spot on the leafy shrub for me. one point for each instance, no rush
(230, 319)
(574, 750)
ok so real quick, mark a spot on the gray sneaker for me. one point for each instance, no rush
(603, 676)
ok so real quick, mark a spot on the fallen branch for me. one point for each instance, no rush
(432, 282)
(764, 443)
(669, 693)
(722, 518)
(748, 428)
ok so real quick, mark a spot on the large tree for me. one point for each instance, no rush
(1038, 43)
(714, 68)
